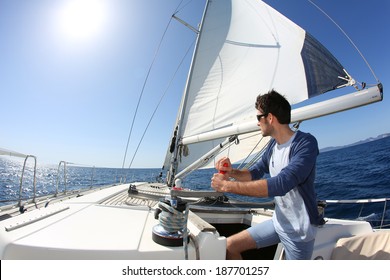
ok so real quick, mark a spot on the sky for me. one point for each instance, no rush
(71, 73)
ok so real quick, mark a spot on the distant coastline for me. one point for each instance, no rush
(327, 149)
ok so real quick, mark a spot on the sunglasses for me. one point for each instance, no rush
(260, 116)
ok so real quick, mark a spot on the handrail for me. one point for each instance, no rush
(21, 179)
(363, 202)
(384, 213)
(92, 175)
(58, 176)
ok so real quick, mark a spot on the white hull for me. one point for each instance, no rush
(110, 224)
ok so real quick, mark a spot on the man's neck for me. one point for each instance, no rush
(283, 134)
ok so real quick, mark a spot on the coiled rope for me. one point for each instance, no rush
(173, 220)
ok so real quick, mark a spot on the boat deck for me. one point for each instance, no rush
(116, 222)
(105, 224)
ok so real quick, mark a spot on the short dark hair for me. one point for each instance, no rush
(276, 104)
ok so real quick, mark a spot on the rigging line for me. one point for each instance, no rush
(209, 158)
(143, 87)
(178, 10)
(250, 153)
(349, 39)
(158, 104)
(256, 156)
(142, 91)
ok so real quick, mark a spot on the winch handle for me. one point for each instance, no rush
(221, 171)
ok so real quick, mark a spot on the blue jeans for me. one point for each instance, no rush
(265, 235)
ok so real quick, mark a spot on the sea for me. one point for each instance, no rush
(355, 172)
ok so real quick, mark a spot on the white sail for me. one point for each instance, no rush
(246, 48)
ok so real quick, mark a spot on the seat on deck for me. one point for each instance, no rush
(371, 246)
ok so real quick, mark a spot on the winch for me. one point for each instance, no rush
(172, 214)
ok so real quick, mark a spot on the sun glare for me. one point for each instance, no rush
(82, 20)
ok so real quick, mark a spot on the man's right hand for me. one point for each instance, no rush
(223, 165)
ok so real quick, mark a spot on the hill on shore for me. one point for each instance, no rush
(327, 149)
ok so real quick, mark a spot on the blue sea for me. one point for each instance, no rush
(355, 172)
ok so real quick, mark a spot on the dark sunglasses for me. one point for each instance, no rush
(260, 116)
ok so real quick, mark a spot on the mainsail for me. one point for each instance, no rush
(245, 48)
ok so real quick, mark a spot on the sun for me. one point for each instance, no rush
(82, 20)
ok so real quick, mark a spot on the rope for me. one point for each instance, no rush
(161, 98)
(246, 165)
(159, 103)
(144, 84)
(173, 220)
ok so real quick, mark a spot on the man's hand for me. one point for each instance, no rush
(219, 182)
(223, 165)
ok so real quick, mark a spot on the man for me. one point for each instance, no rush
(290, 160)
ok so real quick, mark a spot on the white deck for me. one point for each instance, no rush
(82, 228)
(88, 227)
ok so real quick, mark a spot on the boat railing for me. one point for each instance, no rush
(383, 221)
(24, 197)
(58, 176)
(34, 179)
(92, 177)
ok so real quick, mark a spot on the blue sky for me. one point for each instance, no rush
(71, 74)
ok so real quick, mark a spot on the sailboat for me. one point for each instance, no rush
(243, 48)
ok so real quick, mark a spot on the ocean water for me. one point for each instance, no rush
(357, 172)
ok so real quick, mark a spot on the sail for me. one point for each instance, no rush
(246, 48)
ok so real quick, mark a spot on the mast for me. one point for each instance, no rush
(177, 135)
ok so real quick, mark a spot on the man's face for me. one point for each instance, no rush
(262, 122)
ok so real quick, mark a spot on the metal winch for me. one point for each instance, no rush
(172, 214)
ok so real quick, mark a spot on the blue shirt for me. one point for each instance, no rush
(299, 173)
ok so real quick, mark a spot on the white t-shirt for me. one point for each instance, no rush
(291, 218)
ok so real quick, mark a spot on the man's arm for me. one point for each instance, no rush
(257, 188)
(240, 175)
(242, 183)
